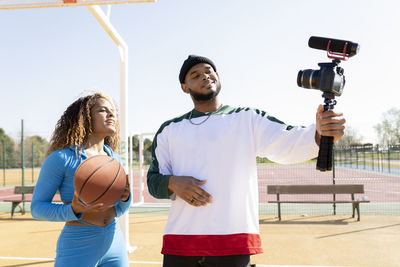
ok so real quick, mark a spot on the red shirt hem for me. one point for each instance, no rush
(212, 245)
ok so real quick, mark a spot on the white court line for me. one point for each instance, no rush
(148, 262)
(381, 191)
(22, 258)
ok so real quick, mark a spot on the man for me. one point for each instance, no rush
(205, 161)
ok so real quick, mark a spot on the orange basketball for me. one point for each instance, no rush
(100, 179)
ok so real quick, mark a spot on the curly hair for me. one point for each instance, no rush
(75, 125)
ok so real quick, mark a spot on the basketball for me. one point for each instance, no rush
(99, 179)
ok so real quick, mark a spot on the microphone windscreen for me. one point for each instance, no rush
(336, 45)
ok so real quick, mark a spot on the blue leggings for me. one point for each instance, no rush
(90, 246)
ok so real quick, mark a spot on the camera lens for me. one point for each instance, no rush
(308, 79)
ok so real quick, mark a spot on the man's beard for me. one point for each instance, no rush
(206, 97)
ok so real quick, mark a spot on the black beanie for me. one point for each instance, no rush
(190, 62)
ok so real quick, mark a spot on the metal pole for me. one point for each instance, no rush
(141, 167)
(351, 157)
(389, 158)
(357, 157)
(104, 21)
(378, 156)
(372, 153)
(130, 168)
(32, 164)
(364, 156)
(334, 179)
(22, 165)
(4, 162)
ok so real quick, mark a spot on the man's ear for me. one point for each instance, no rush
(184, 88)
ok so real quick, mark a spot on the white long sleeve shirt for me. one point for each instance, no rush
(221, 150)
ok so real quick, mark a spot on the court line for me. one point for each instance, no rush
(148, 262)
(381, 191)
(23, 258)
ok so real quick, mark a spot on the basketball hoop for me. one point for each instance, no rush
(24, 4)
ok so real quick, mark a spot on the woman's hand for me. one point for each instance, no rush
(79, 207)
(125, 195)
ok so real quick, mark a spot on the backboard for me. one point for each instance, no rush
(19, 4)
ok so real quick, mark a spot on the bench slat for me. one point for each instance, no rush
(319, 201)
(316, 189)
(26, 192)
(24, 189)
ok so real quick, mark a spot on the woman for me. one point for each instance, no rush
(91, 235)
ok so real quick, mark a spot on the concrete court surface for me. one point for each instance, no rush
(296, 241)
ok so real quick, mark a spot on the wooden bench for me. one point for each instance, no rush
(332, 189)
(24, 194)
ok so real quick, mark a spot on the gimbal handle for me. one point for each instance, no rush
(325, 153)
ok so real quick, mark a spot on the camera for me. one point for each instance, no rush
(330, 80)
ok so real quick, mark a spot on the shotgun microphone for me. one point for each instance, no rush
(335, 45)
(330, 80)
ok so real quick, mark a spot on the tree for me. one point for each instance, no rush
(39, 150)
(146, 147)
(351, 137)
(388, 130)
(147, 143)
(135, 147)
(8, 145)
(135, 143)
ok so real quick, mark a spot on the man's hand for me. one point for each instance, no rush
(188, 189)
(329, 123)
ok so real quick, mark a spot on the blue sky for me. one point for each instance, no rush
(49, 57)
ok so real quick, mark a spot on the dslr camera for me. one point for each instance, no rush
(330, 80)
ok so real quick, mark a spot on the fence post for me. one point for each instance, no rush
(357, 157)
(4, 162)
(364, 156)
(389, 158)
(351, 157)
(348, 159)
(23, 164)
(378, 156)
(32, 164)
(372, 158)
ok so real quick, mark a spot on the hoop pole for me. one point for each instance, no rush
(141, 167)
(23, 165)
(130, 164)
(142, 177)
(104, 21)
